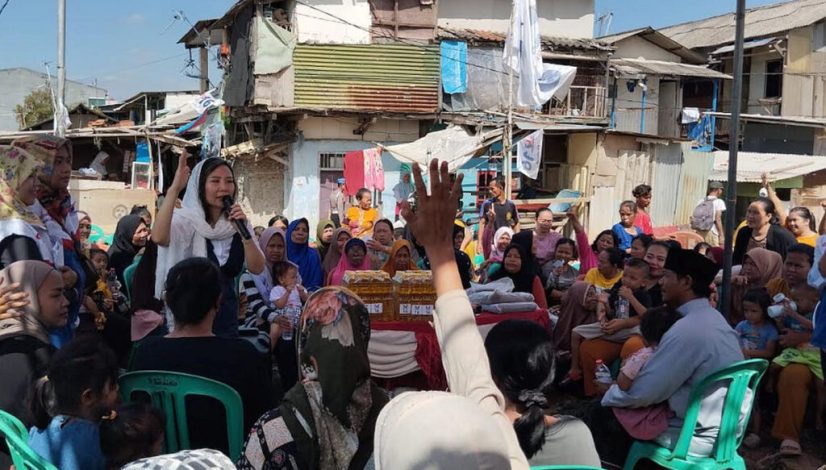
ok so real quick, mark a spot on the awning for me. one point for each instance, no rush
(641, 67)
(454, 145)
(746, 45)
(778, 166)
(556, 126)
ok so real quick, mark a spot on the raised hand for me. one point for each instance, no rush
(12, 300)
(432, 222)
(181, 174)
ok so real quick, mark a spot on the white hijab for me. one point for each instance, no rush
(189, 231)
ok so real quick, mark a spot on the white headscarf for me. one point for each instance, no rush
(191, 224)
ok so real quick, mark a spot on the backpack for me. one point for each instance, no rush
(703, 216)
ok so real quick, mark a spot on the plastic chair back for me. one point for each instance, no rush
(687, 239)
(22, 456)
(169, 390)
(739, 378)
(129, 276)
(96, 234)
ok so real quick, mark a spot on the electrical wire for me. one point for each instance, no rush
(4, 6)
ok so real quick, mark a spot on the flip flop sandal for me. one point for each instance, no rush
(790, 448)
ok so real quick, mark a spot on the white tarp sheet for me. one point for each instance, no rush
(454, 145)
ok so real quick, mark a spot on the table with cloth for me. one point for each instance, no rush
(401, 348)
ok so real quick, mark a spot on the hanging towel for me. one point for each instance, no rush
(353, 172)
(377, 168)
(454, 66)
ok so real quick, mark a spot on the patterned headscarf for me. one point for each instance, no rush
(334, 390)
(16, 165)
(45, 147)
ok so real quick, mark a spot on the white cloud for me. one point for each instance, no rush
(135, 18)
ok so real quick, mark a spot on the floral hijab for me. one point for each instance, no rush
(16, 166)
(56, 201)
(335, 396)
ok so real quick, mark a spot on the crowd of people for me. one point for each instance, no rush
(196, 289)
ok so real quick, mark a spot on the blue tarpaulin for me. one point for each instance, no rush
(454, 66)
(142, 152)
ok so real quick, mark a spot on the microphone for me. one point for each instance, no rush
(239, 224)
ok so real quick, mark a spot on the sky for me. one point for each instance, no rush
(131, 46)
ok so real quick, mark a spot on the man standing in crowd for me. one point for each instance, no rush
(642, 194)
(701, 343)
(337, 200)
(403, 190)
(495, 213)
(707, 218)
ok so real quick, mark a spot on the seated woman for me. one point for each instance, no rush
(588, 258)
(300, 253)
(400, 258)
(193, 291)
(33, 303)
(762, 230)
(501, 240)
(524, 372)
(609, 269)
(759, 267)
(578, 307)
(330, 261)
(380, 243)
(130, 237)
(361, 217)
(328, 419)
(354, 259)
(516, 265)
(639, 246)
(324, 237)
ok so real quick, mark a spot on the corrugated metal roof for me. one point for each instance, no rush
(760, 22)
(551, 43)
(631, 67)
(746, 45)
(660, 40)
(778, 166)
(380, 77)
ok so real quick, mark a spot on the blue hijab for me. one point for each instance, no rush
(307, 259)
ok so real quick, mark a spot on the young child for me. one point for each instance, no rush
(617, 312)
(559, 272)
(649, 422)
(134, 431)
(80, 388)
(758, 335)
(800, 321)
(625, 230)
(288, 294)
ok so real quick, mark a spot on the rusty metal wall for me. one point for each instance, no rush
(370, 77)
(696, 168)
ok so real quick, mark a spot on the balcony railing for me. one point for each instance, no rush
(582, 101)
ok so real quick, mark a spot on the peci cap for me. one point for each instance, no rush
(716, 185)
(691, 263)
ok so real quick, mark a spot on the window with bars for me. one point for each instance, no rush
(332, 161)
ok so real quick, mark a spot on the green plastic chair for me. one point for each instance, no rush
(169, 390)
(96, 234)
(741, 377)
(129, 275)
(23, 457)
(566, 467)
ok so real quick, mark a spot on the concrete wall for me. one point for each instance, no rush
(341, 128)
(260, 188)
(757, 81)
(175, 100)
(315, 26)
(635, 48)
(803, 82)
(17, 83)
(561, 18)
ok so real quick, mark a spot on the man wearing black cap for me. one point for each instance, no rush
(699, 344)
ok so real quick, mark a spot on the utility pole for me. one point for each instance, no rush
(734, 142)
(59, 123)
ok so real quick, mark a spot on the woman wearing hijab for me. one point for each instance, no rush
(323, 237)
(200, 228)
(578, 307)
(130, 237)
(354, 259)
(517, 265)
(401, 258)
(380, 243)
(327, 420)
(501, 240)
(759, 267)
(25, 347)
(84, 231)
(23, 234)
(340, 237)
(300, 253)
(56, 209)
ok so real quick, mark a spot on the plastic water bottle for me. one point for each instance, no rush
(287, 335)
(603, 373)
(623, 307)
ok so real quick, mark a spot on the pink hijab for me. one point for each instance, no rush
(344, 264)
